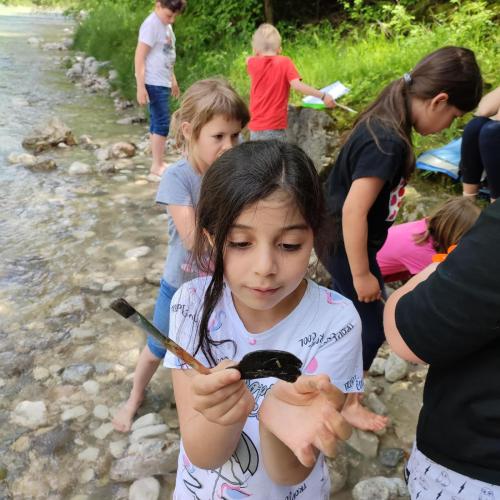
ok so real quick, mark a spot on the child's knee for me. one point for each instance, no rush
(489, 136)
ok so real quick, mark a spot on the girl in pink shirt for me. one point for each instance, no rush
(409, 247)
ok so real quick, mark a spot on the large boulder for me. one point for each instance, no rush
(315, 132)
(49, 135)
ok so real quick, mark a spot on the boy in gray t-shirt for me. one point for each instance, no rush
(154, 73)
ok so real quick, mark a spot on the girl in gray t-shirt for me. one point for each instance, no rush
(207, 123)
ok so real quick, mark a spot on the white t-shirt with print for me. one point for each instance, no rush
(160, 60)
(323, 331)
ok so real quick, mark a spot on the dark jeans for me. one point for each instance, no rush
(481, 152)
(159, 111)
(371, 313)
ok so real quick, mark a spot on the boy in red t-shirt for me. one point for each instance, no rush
(271, 77)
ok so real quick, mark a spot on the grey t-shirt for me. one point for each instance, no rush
(180, 185)
(161, 58)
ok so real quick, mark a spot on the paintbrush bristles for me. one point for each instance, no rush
(122, 307)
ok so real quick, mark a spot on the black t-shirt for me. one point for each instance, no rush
(362, 156)
(452, 321)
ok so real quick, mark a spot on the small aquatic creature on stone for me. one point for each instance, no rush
(269, 363)
(256, 364)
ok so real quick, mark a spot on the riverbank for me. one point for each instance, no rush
(74, 239)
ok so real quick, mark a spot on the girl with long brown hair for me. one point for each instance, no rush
(367, 183)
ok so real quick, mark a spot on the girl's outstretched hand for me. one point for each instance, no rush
(222, 397)
(367, 287)
(305, 416)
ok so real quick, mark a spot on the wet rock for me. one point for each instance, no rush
(122, 150)
(129, 120)
(89, 454)
(24, 159)
(147, 432)
(53, 46)
(34, 41)
(117, 448)
(379, 488)
(377, 367)
(146, 421)
(101, 412)
(49, 135)
(13, 363)
(146, 488)
(31, 414)
(153, 276)
(102, 154)
(56, 440)
(105, 167)
(86, 476)
(43, 165)
(111, 286)
(157, 460)
(395, 368)
(74, 413)
(375, 404)
(79, 168)
(103, 431)
(83, 333)
(72, 305)
(40, 373)
(390, 457)
(136, 253)
(91, 387)
(339, 471)
(77, 373)
(363, 442)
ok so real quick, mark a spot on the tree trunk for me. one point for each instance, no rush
(268, 11)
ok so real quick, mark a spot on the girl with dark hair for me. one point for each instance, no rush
(259, 211)
(367, 183)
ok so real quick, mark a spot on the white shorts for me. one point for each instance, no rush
(428, 480)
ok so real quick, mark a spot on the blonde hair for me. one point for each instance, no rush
(266, 39)
(201, 102)
(449, 222)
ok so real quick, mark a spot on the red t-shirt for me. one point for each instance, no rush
(270, 78)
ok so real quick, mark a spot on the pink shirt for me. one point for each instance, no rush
(400, 252)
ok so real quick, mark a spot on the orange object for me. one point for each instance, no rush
(440, 257)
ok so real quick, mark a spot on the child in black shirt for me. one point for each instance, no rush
(367, 183)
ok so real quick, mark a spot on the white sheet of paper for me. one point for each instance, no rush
(335, 90)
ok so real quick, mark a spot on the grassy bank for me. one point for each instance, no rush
(363, 55)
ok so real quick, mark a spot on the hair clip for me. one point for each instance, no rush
(407, 78)
(440, 257)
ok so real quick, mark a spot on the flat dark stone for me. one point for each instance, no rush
(390, 457)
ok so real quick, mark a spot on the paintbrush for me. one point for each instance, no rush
(346, 108)
(123, 308)
(256, 364)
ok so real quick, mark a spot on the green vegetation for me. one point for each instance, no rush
(364, 44)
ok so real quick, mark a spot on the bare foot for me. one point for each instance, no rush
(122, 421)
(158, 170)
(362, 418)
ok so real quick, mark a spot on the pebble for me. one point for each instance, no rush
(147, 420)
(32, 414)
(86, 476)
(40, 373)
(395, 368)
(111, 286)
(377, 367)
(145, 432)
(390, 457)
(104, 431)
(91, 387)
(77, 374)
(101, 412)
(117, 448)
(89, 454)
(363, 442)
(74, 413)
(137, 252)
(146, 488)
